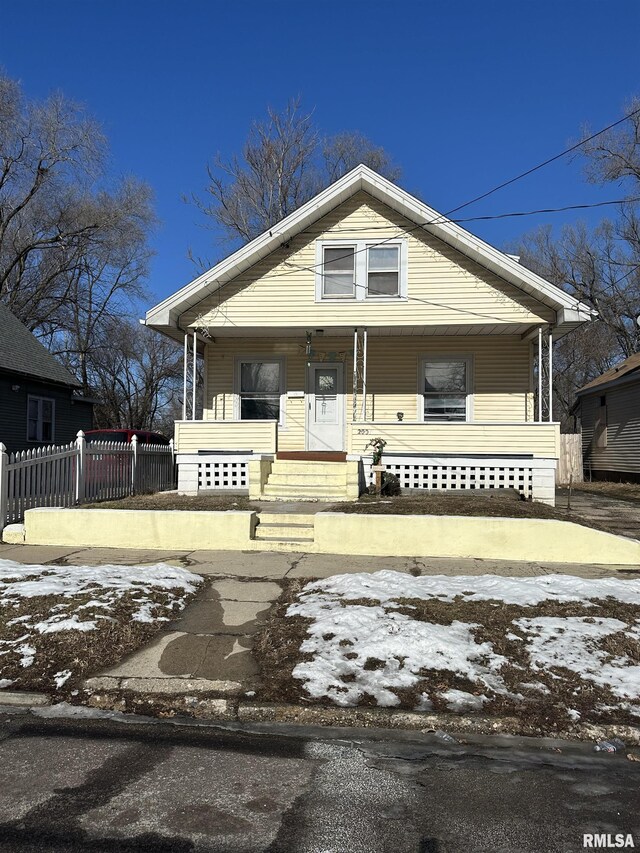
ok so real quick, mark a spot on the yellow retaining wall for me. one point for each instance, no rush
(336, 533)
(529, 539)
(122, 528)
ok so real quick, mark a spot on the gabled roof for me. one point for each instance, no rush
(21, 352)
(166, 315)
(627, 371)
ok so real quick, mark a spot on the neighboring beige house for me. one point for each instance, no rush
(367, 314)
(609, 412)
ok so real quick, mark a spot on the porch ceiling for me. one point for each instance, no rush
(375, 331)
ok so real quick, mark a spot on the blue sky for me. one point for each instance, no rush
(463, 95)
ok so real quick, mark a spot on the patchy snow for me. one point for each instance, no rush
(402, 645)
(572, 643)
(359, 650)
(105, 585)
(61, 677)
(461, 700)
(5, 682)
(387, 586)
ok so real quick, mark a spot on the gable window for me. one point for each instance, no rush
(446, 388)
(40, 419)
(339, 272)
(361, 270)
(383, 271)
(260, 387)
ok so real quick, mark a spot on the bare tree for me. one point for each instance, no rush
(64, 229)
(599, 266)
(136, 376)
(284, 163)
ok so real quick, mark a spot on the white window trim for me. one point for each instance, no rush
(240, 359)
(361, 276)
(53, 418)
(454, 356)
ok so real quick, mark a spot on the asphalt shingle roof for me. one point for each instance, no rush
(625, 367)
(21, 352)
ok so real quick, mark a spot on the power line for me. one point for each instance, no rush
(443, 217)
(494, 216)
(546, 162)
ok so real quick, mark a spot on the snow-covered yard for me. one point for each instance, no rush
(59, 622)
(550, 650)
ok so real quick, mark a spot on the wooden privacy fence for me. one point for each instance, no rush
(81, 472)
(570, 465)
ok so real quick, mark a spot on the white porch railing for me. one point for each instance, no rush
(468, 438)
(239, 436)
(79, 472)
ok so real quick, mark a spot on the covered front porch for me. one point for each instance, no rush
(470, 409)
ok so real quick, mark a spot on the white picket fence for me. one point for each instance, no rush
(81, 472)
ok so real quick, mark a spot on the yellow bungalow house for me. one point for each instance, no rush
(366, 314)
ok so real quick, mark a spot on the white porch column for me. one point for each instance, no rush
(194, 377)
(364, 376)
(540, 374)
(355, 376)
(550, 375)
(184, 377)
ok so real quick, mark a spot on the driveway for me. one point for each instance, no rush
(622, 517)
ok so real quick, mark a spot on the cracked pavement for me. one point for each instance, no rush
(69, 785)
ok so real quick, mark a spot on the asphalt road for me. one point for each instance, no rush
(99, 785)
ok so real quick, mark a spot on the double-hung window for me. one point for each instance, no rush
(40, 419)
(383, 271)
(339, 278)
(361, 270)
(260, 388)
(446, 388)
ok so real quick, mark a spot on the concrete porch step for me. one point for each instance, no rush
(287, 466)
(295, 492)
(301, 478)
(287, 531)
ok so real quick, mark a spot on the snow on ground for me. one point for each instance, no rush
(68, 609)
(370, 650)
(387, 586)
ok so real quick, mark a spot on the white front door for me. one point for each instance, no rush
(325, 407)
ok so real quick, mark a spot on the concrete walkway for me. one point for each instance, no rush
(621, 517)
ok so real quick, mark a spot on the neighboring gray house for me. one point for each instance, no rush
(39, 400)
(609, 411)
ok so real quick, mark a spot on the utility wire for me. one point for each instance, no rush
(443, 217)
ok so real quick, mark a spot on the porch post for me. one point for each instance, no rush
(550, 375)
(184, 378)
(539, 374)
(355, 375)
(364, 376)
(193, 386)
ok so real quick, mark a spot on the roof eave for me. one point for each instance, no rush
(166, 314)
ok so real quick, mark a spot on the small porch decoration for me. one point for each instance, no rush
(378, 445)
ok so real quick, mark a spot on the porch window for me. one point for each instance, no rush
(40, 419)
(260, 385)
(446, 384)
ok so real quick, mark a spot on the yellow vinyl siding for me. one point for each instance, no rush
(501, 377)
(192, 436)
(541, 440)
(280, 289)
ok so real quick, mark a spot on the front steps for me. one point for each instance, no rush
(285, 527)
(304, 480)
